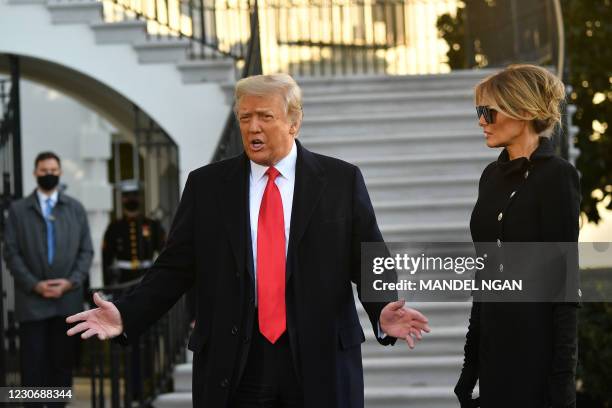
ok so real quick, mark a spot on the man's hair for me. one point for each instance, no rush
(46, 156)
(279, 84)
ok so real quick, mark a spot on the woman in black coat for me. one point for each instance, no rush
(522, 354)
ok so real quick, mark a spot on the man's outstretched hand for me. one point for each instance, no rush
(104, 321)
(403, 322)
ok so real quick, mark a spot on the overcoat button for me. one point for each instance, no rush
(234, 330)
(527, 174)
(500, 216)
(501, 267)
(498, 243)
(512, 194)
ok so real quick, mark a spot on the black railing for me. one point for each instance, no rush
(348, 37)
(307, 37)
(230, 143)
(10, 189)
(134, 375)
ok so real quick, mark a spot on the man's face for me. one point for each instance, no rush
(267, 132)
(47, 166)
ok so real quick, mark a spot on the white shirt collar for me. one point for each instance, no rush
(286, 166)
(42, 197)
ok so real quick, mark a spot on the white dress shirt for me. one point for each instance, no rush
(285, 182)
(42, 199)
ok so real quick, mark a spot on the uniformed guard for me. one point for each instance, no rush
(132, 242)
(130, 245)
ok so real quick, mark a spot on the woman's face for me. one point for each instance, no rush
(503, 131)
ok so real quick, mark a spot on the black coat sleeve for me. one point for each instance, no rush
(25, 280)
(170, 276)
(469, 372)
(560, 223)
(365, 229)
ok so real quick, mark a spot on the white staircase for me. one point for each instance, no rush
(417, 142)
(150, 49)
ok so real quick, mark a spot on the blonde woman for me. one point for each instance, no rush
(522, 354)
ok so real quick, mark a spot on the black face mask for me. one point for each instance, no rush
(48, 181)
(132, 205)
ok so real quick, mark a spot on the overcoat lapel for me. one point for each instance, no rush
(309, 184)
(233, 202)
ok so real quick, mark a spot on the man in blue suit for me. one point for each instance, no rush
(48, 251)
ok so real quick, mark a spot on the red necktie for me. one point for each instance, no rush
(271, 261)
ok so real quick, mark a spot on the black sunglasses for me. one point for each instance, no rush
(488, 113)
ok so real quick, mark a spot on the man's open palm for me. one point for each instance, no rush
(104, 321)
(403, 323)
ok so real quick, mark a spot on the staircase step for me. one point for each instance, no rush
(458, 80)
(207, 70)
(351, 103)
(433, 187)
(162, 50)
(423, 164)
(442, 341)
(412, 371)
(75, 12)
(432, 232)
(434, 361)
(121, 32)
(182, 377)
(439, 314)
(402, 143)
(375, 397)
(25, 2)
(174, 400)
(388, 123)
(420, 210)
(410, 397)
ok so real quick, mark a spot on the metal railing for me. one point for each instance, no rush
(348, 37)
(230, 143)
(134, 375)
(10, 189)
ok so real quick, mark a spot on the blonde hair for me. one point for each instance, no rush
(265, 85)
(524, 92)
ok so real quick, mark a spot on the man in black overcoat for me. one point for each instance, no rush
(271, 239)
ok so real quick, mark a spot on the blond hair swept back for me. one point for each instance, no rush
(524, 92)
(265, 85)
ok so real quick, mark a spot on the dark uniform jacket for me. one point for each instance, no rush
(131, 240)
(25, 251)
(524, 354)
(209, 246)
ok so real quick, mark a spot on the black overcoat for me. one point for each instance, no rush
(524, 354)
(209, 247)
